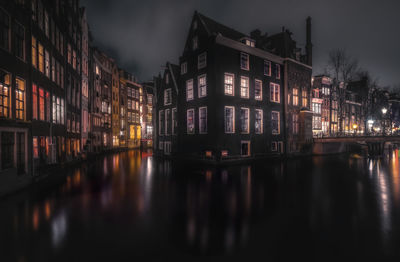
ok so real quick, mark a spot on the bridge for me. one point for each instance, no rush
(375, 145)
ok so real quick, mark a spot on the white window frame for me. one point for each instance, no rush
(187, 122)
(173, 131)
(247, 66)
(183, 68)
(233, 84)
(166, 91)
(279, 123)
(273, 98)
(261, 90)
(202, 57)
(200, 123)
(199, 86)
(247, 131)
(248, 87)
(262, 121)
(233, 120)
(270, 65)
(190, 81)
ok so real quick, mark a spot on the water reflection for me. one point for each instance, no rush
(136, 204)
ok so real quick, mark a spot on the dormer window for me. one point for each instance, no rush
(249, 42)
(195, 43)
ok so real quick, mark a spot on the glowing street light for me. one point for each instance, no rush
(384, 111)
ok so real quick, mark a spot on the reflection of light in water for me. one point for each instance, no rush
(191, 230)
(208, 176)
(224, 176)
(58, 228)
(383, 197)
(105, 167)
(395, 173)
(35, 218)
(47, 210)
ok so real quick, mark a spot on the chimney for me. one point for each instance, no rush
(308, 43)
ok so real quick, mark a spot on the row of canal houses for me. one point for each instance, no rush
(60, 96)
(235, 96)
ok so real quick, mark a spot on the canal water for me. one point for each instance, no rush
(131, 205)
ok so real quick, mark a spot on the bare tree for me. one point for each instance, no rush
(341, 65)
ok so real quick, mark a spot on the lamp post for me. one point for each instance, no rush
(384, 111)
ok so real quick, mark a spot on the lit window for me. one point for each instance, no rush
(54, 110)
(4, 94)
(244, 120)
(259, 121)
(295, 96)
(20, 99)
(202, 60)
(203, 120)
(229, 84)
(202, 85)
(190, 121)
(41, 104)
(47, 60)
(244, 61)
(229, 119)
(275, 122)
(167, 96)
(189, 90)
(244, 87)
(34, 52)
(304, 98)
(48, 106)
(41, 58)
(34, 102)
(267, 68)
(275, 93)
(35, 147)
(258, 89)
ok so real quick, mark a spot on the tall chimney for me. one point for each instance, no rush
(309, 44)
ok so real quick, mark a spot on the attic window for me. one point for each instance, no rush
(249, 42)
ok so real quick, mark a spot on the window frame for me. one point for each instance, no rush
(233, 120)
(199, 60)
(187, 89)
(247, 66)
(200, 122)
(255, 89)
(199, 87)
(187, 122)
(247, 131)
(233, 84)
(261, 119)
(242, 87)
(279, 123)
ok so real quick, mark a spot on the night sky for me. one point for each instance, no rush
(143, 35)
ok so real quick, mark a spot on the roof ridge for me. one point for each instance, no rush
(207, 20)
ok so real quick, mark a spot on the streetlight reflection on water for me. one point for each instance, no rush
(133, 199)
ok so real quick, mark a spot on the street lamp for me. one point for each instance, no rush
(384, 111)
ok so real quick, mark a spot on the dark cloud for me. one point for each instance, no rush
(143, 35)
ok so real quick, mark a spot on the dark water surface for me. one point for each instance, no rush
(131, 205)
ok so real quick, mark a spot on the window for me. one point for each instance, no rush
(244, 87)
(258, 90)
(275, 91)
(274, 146)
(202, 60)
(167, 96)
(69, 54)
(229, 119)
(74, 59)
(160, 122)
(46, 23)
(244, 61)
(41, 58)
(195, 43)
(295, 123)
(53, 69)
(203, 120)
(35, 147)
(245, 148)
(267, 68)
(54, 110)
(189, 90)
(190, 121)
(5, 81)
(19, 41)
(161, 145)
(47, 58)
(41, 104)
(316, 122)
(4, 30)
(275, 123)
(174, 121)
(304, 98)
(202, 85)
(48, 105)
(34, 52)
(229, 84)
(20, 99)
(295, 96)
(244, 120)
(167, 121)
(258, 121)
(34, 102)
(278, 71)
(183, 68)
(316, 107)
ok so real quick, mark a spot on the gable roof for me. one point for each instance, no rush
(174, 70)
(215, 28)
